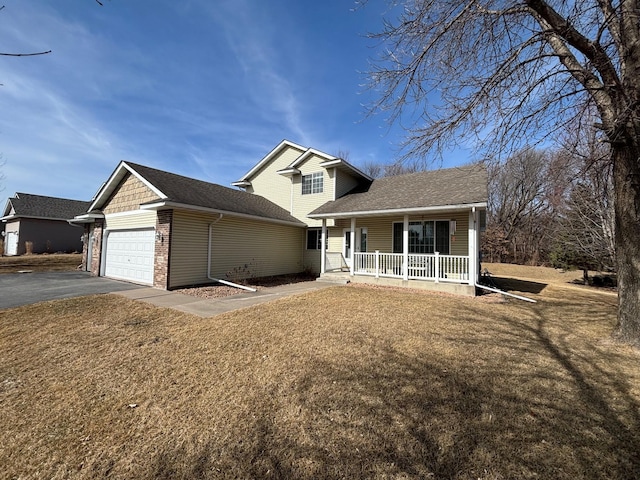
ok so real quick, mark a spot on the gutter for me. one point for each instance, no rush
(224, 282)
(393, 211)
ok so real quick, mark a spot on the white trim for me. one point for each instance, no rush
(125, 214)
(340, 162)
(313, 176)
(115, 178)
(268, 158)
(335, 182)
(323, 249)
(405, 247)
(32, 217)
(308, 153)
(288, 171)
(182, 206)
(434, 234)
(369, 213)
(241, 183)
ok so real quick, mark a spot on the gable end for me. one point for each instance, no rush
(128, 195)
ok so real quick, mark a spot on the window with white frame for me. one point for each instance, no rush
(314, 239)
(312, 183)
(424, 237)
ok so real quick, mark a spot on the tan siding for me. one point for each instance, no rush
(136, 219)
(380, 232)
(311, 260)
(188, 254)
(335, 239)
(129, 195)
(344, 183)
(273, 186)
(266, 248)
(303, 204)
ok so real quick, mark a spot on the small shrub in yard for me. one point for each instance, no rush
(242, 272)
(28, 246)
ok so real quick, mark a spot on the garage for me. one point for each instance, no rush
(129, 255)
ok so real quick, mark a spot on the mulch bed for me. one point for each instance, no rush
(221, 291)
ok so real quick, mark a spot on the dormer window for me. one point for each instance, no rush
(312, 183)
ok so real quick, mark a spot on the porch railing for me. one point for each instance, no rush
(435, 267)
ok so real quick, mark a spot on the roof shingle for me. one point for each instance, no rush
(40, 206)
(189, 191)
(433, 188)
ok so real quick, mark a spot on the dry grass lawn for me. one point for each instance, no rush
(58, 262)
(346, 382)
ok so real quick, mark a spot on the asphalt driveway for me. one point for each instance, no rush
(17, 289)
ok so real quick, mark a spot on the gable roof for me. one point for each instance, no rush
(26, 205)
(329, 161)
(452, 188)
(177, 191)
(244, 180)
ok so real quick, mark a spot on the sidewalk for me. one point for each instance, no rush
(216, 306)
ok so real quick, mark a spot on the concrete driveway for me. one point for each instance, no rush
(17, 289)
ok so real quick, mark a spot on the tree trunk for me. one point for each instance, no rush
(626, 177)
(585, 276)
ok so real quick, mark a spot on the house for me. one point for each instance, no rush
(38, 224)
(157, 228)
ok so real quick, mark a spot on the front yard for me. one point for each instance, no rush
(54, 262)
(347, 382)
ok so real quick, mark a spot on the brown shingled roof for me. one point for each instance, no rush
(41, 206)
(433, 188)
(189, 191)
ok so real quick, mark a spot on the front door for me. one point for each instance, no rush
(347, 251)
(361, 243)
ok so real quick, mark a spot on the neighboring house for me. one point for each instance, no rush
(153, 227)
(42, 222)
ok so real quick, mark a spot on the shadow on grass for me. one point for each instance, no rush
(513, 284)
(523, 402)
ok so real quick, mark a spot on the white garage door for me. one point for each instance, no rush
(130, 255)
(11, 243)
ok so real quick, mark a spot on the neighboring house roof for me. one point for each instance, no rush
(177, 191)
(423, 191)
(26, 205)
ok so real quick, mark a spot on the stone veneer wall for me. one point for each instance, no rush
(98, 228)
(162, 249)
(85, 246)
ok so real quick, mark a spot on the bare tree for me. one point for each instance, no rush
(525, 195)
(586, 230)
(22, 54)
(509, 73)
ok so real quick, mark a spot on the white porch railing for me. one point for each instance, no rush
(435, 267)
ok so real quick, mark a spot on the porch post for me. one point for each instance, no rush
(323, 247)
(405, 248)
(352, 234)
(473, 245)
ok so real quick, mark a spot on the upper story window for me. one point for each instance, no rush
(312, 183)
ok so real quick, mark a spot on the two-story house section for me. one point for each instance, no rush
(300, 180)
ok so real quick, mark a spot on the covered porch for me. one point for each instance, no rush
(436, 249)
(419, 230)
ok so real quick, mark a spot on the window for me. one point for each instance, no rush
(312, 183)
(424, 237)
(314, 240)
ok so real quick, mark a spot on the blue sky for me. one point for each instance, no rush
(201, 88)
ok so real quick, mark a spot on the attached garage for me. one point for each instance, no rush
(129, 255)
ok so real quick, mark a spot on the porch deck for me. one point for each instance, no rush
(426, 271)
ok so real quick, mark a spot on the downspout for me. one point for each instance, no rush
(224, 282)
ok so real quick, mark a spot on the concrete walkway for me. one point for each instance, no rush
(215, 306)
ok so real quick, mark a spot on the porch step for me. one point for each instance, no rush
(337, 278)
